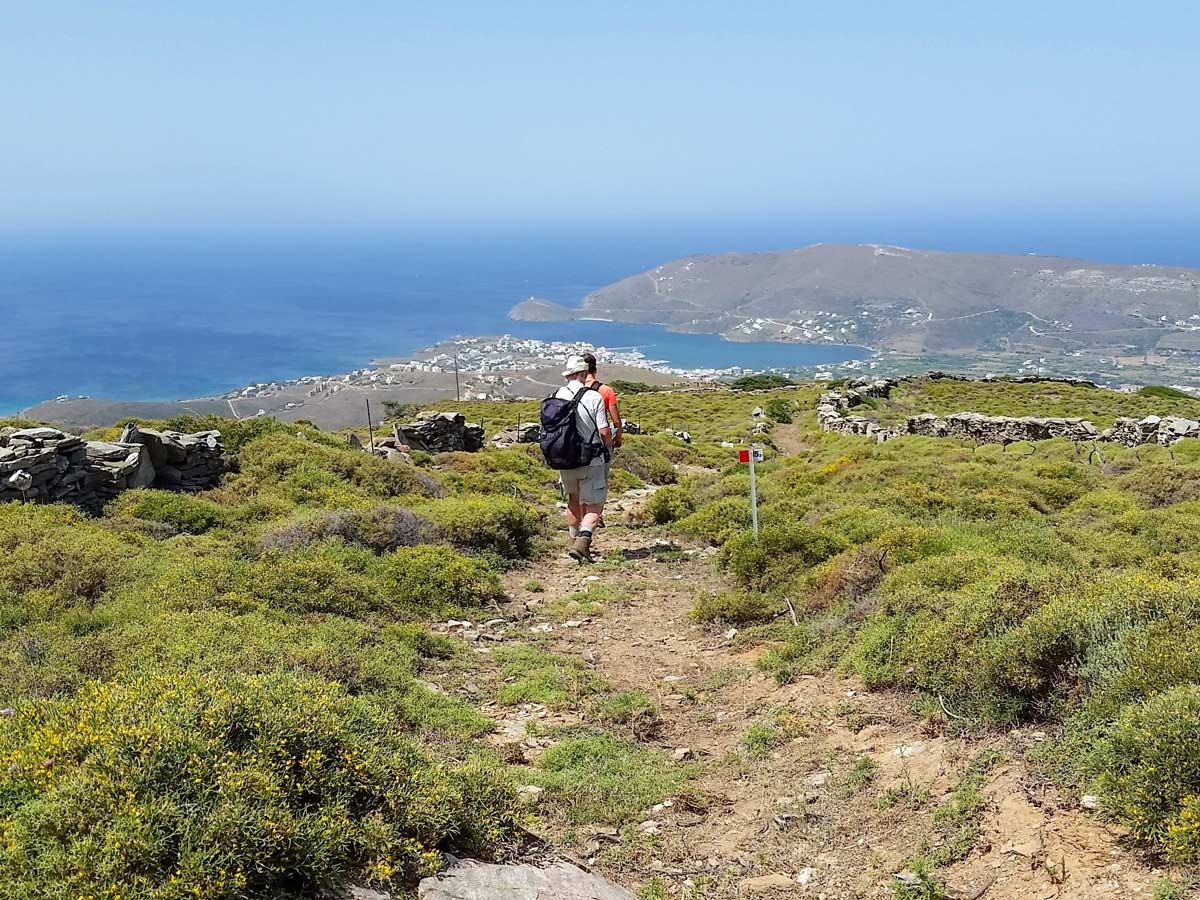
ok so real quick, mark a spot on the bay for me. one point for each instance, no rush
(149, 318)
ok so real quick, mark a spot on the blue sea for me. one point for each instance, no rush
(157, 319)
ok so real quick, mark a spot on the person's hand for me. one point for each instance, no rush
(617, 440)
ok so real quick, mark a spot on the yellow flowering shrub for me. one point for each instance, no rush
(221, 787)
(1149, 771)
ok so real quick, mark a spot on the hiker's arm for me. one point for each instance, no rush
(618, 424)
(606, 435)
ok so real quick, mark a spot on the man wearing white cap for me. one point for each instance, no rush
(586, 486)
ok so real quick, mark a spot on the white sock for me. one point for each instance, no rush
(574, 530)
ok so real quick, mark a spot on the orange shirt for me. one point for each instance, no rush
(610, 405)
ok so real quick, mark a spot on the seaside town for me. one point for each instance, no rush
(489, 368)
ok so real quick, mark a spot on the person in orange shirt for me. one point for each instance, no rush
(609, 395)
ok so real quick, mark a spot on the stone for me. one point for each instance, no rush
(441, 432)
(522, 433)
(469, 880)
(818, 779)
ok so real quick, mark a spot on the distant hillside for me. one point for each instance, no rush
(912, 301)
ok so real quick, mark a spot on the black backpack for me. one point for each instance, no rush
(562, 444)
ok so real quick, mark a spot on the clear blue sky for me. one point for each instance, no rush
(876, 119)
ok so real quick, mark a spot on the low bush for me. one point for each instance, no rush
(668, 504)
(713, 522)
(194, 785)
(642, 457)
(500, 525)
(183, 512)
(777, 553)
(778, 410)
(735, 607)
(312, 473)
(437, 581)
(1149, 771)
(316, 579)
(761, 382)
(380, 529)
(56, 551)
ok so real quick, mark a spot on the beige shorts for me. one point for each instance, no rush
(589, 482)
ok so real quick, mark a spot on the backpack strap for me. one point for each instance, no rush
(595, 422)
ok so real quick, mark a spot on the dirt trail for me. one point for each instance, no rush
(791, 821)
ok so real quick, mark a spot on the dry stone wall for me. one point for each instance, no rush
(45, 465)
(835, 414)
(441, 432)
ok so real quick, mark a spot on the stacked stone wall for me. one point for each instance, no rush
(45, 465)
(835, 414)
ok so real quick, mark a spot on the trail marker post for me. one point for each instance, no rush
(751, 456)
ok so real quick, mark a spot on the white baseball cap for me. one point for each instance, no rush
(575, 365)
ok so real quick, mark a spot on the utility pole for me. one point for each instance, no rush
(457, 392)
(370, 428)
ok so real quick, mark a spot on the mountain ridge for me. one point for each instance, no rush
(907, 300)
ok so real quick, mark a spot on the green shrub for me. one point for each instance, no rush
(779, 410)
(1149, 771)
(316, 579)
(1164, 392)
(438, 581)
(228, 787)
(735, 607)
(183, 512)
(761, 382)
(634, 387)
(501, 525)
(55, 550)
(644, 458)
(312, 473)
(518, 471)
(715, 521)
(777, 553)
(668, 504)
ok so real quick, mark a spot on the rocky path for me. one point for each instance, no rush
(813, 789)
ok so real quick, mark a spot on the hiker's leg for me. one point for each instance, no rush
(574, 514)
(571, 483)
(591, 516)
(593, 492)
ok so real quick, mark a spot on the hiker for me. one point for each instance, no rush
(610, 407)
(610, 399)
(577, 440)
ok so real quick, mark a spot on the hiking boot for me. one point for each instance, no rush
(581, 549)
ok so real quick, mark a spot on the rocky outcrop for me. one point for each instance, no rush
(521, 433)
(470, 880)
(441, 432)
(45, 465)
(834, 414)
